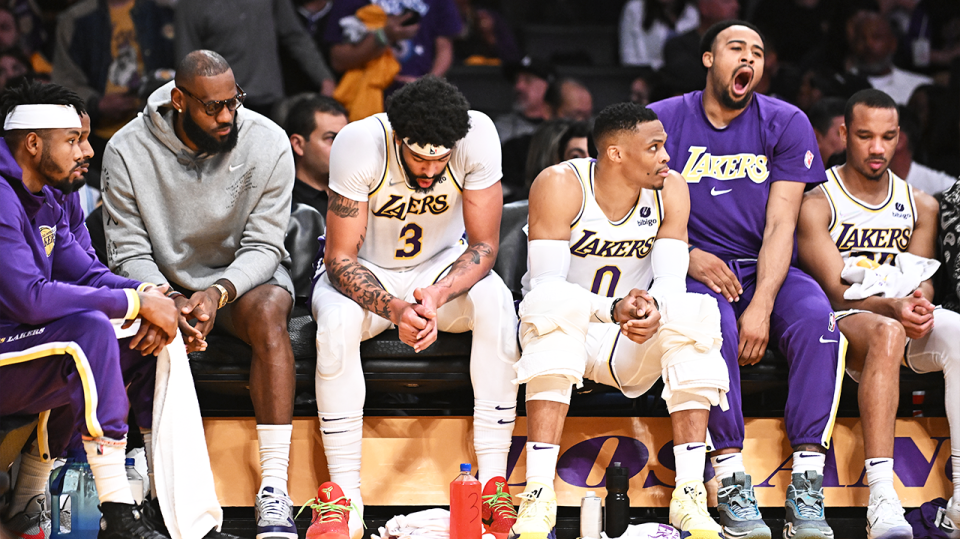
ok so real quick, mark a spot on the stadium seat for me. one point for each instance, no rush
(573, 45)
(607, 84)
(486, 88)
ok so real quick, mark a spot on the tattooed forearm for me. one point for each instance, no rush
(342, 206)
(469, 268)
(359, 284)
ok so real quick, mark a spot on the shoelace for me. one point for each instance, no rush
(274, 507)
(330, 511)
(810, 505)
(886, 509)
(500, 501)
(530, 506)
(741, 501)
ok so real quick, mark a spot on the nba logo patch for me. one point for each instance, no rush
(49, 237)
(832, 323)
(808, 160)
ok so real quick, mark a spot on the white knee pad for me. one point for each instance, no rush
(554, 318)
(694, 373)
(338, 337)
(550, 387)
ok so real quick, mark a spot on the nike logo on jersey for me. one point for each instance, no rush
(701, 164)
(825, 341)
(714, 192)
(235, 167)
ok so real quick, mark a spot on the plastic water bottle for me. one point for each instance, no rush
(135, 480)
(616, 516)
(74, 483)
(590, 516)
(465, 521)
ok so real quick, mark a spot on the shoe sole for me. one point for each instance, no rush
(900, 532)
(806, 534)
(328, 535)
(756, 533)
(277, 535)
(701, 534)
(552, 534)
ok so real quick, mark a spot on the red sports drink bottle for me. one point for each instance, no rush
(465, 522)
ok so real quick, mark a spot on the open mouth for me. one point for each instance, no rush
(741, 81)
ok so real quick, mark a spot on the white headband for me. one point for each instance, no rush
(427, 151)
(42, 117)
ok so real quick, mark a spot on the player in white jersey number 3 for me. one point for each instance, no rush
(405, 186)
(607, 300)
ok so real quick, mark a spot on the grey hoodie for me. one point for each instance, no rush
(171, 215)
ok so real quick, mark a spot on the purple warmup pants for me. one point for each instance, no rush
(76, 369)
(802, 327)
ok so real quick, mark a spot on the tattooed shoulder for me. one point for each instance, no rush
(342, 206)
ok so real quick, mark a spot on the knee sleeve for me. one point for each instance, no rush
(338, 337)
(694, 373)
(550, 387)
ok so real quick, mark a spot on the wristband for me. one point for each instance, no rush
(613, 307)
(380, 36)
(172, 293)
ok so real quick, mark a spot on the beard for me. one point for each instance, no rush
(723, 95)
(207, 143)
(55, 175)
(412, 179)
(874, 176)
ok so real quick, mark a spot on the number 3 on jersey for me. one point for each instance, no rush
(411, 236)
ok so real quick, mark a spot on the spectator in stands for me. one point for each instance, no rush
(312, 124)
(221, 246)
(826, 117)
(531, 78)
(250, 36)
(645, 25)
(553, 142)
(932, 35)
(640, 90)
(872, 48)
(486, 38)
(382, 271)
(863, 210)
(570, 99)
(683, 69)
(13, 16)
(420, 33)
(742, 237)
(9, 35)
(14, 64)
(313, 16)
(104, 52)
(798, 25)
(921, 177)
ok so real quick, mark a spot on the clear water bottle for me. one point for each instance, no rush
(74, 492)
(135, 480)
(465, 516)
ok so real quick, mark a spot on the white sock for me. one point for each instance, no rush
(808, 460)
(955, 461)
(342, 437)
(148, 454)
(879, 476)
(31, 481)
(542, 463)
(492, 436)
(274, 455)
(107, 464)
(689, 460)
(726, 465)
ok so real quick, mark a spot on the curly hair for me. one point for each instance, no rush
(37, 93)
(429, 110)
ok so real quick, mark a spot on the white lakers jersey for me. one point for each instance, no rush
(610, 258)
(405, 228)
(878, 232)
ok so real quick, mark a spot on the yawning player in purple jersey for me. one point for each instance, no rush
(747, 159)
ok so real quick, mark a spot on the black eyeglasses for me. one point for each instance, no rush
(212, 108)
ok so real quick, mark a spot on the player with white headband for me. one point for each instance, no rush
(405, 186)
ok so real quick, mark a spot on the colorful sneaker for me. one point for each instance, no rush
(885, 518)
(805, 518)
(498, 514)
(27, 523)
(948, 519)
(688, 512)
(739, 516)
(274, 515)
(537, 516)
(331, 513)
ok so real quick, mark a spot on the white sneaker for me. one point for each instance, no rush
(885, 518)
(948, 520)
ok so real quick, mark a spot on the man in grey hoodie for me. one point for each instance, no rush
(196, 194)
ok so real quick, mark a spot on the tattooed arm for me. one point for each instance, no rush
(346, 228)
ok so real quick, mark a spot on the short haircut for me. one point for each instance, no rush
(708, 39)
(620, 117)
(872, 98)
(429, 110)
(200, 63)
(554, 94)
(824, 111)
(302, 118)
(37, 93)
(910, 126)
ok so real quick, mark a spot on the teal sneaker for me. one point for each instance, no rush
(739, 514)
(804, 518)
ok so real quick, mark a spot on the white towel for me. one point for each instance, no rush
(867, 278)
(428, 524)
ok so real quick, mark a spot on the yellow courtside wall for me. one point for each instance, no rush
(411, 460)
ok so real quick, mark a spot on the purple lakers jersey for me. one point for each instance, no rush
(729, 170)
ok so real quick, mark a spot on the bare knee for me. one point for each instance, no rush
(887, 340)
(267, 326)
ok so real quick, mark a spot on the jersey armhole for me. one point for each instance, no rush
(583, 190)
(913, 204)
(386, 158)
(833, 211)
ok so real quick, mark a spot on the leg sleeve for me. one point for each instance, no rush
(939, 350)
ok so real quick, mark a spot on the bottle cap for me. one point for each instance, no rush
(465, 467)
(591, 494)
(130, 462)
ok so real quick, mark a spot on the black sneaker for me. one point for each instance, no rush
(154, 518)
(124, 521)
